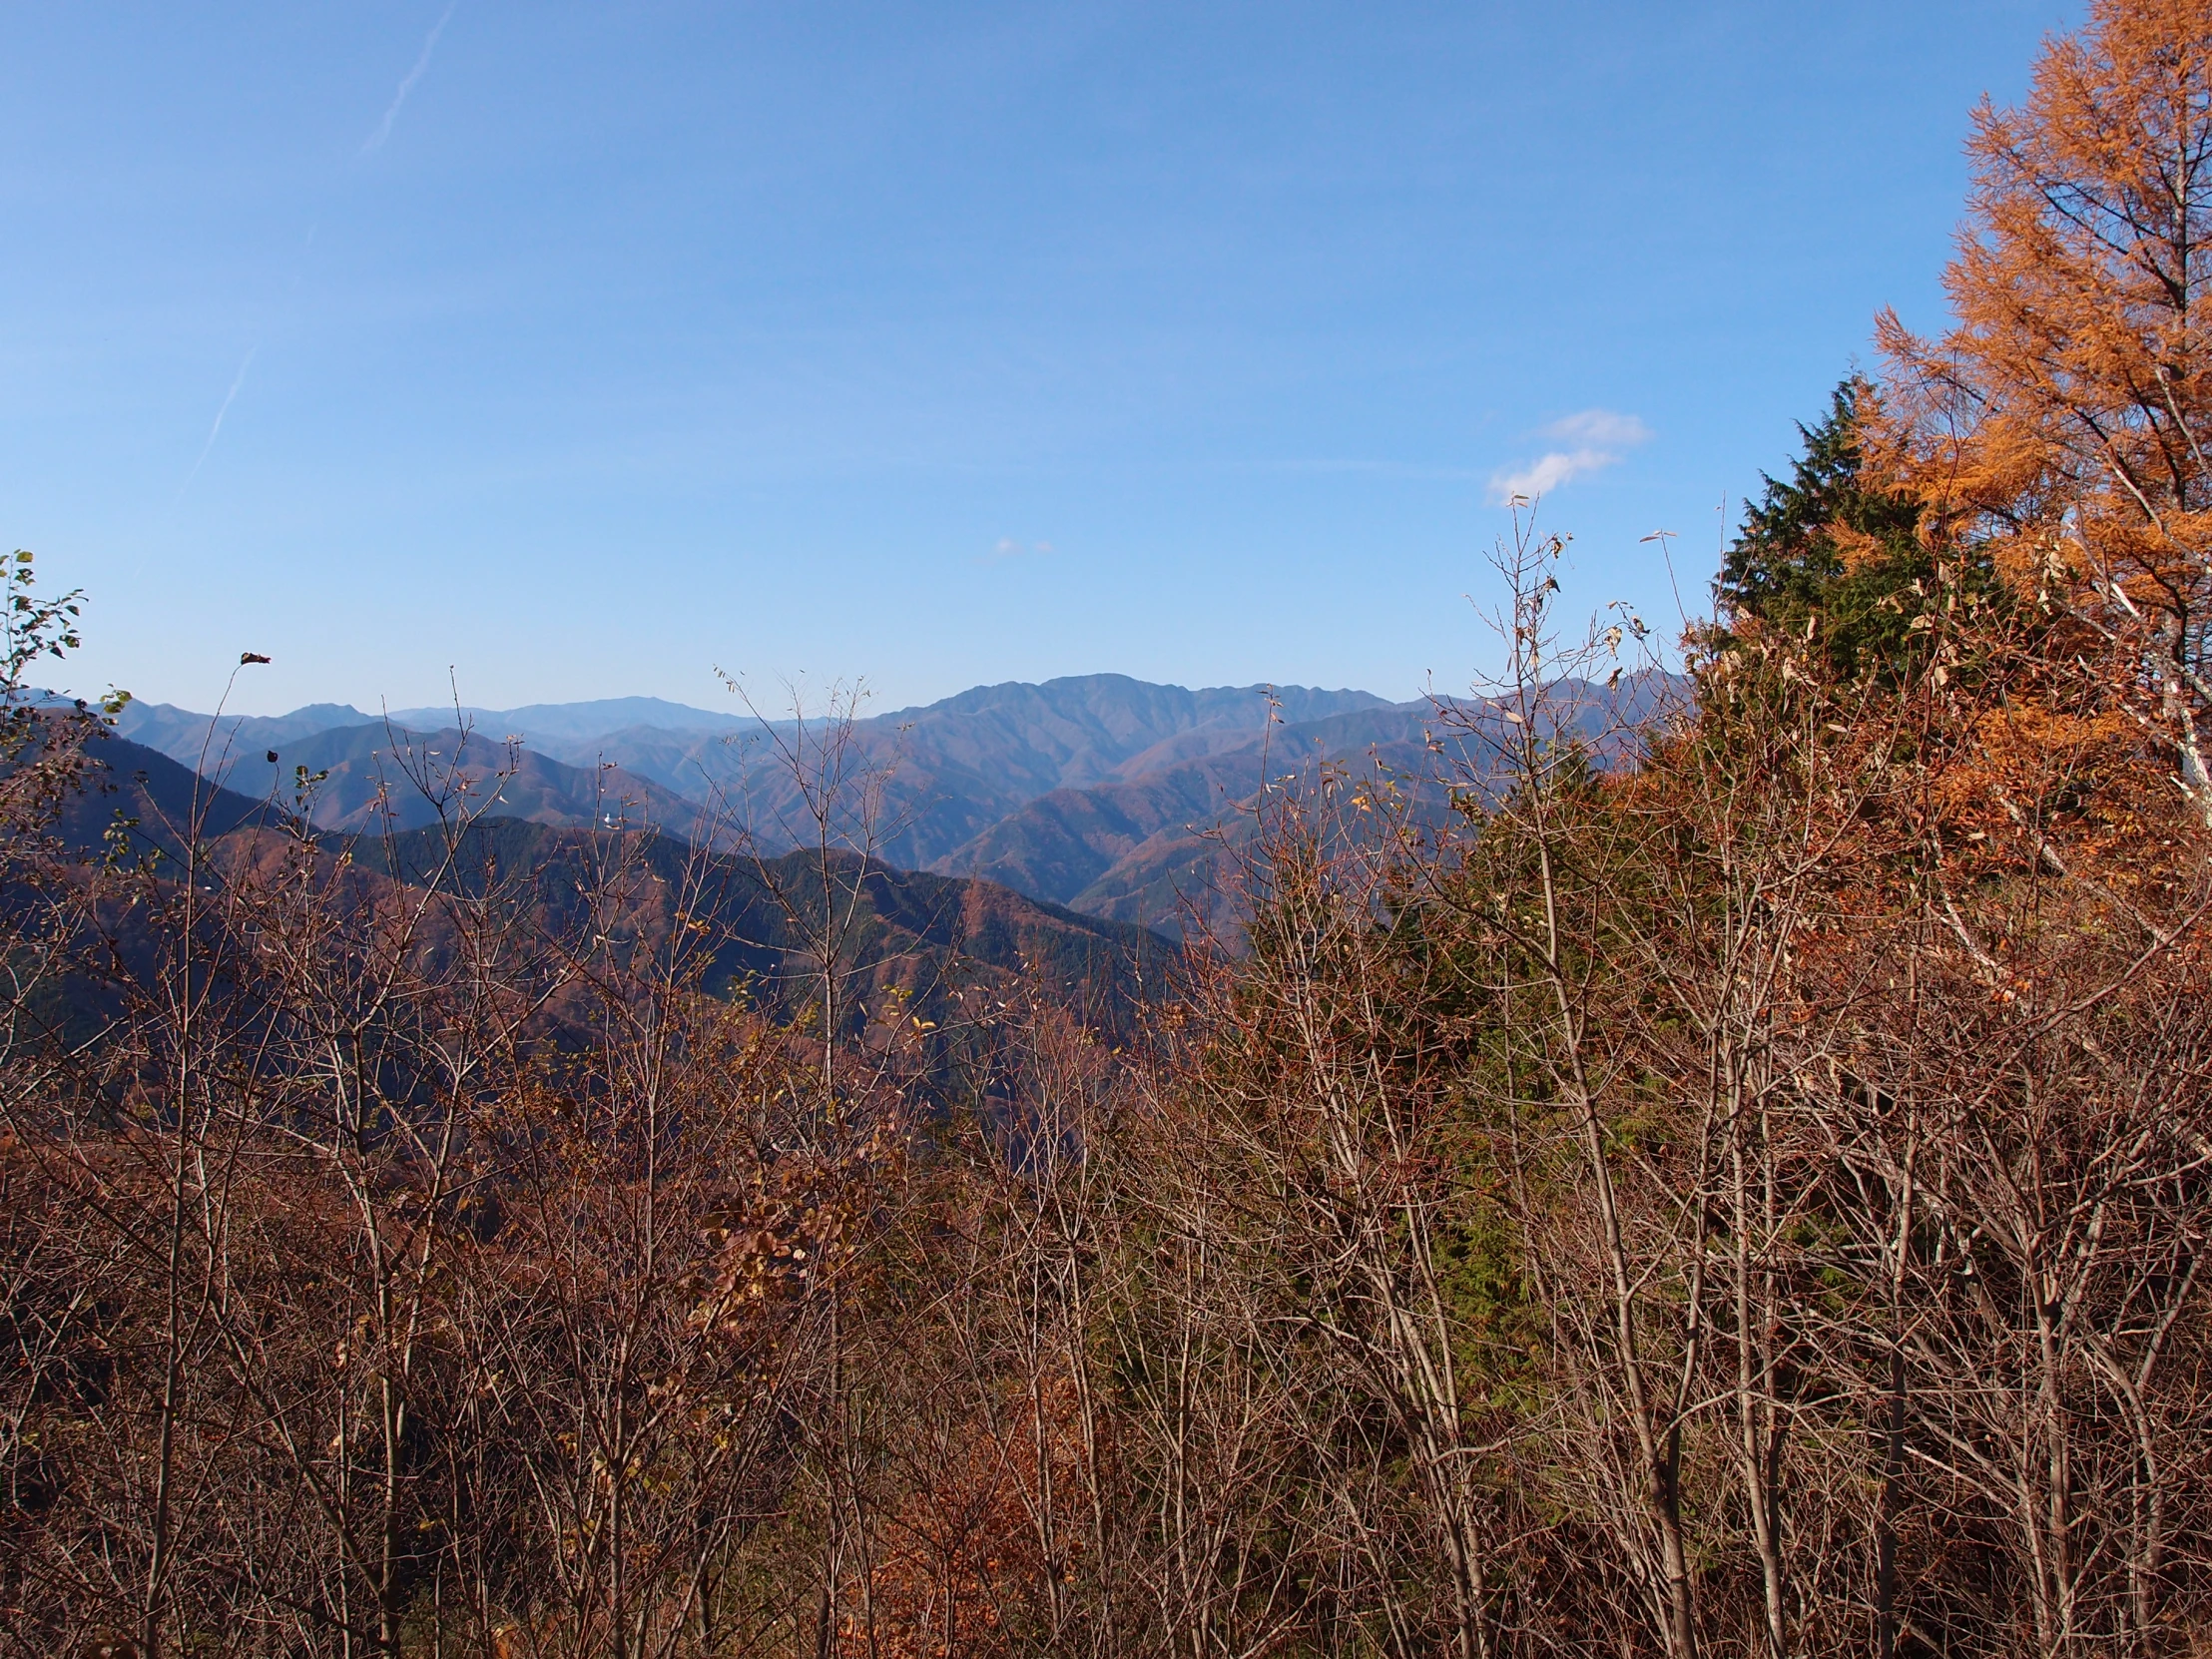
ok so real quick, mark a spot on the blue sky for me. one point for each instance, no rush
(579, 351)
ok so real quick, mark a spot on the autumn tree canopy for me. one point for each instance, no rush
(2061, 423)
(1734, 1185)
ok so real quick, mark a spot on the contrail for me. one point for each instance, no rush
(216, 430)
(383, 127)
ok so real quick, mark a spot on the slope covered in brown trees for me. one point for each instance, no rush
(1737, 1184)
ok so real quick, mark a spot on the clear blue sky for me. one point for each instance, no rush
(582, 348)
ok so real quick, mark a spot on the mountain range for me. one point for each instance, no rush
(1100, 793)
(935, 948)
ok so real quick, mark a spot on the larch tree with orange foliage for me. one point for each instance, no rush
(2061, 424)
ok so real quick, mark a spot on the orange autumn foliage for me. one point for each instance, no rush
(2060, 425)
(963, 1569)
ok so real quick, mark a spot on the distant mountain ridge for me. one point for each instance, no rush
(1140, 844)
(1094, 792)
(364, 775)
(933, 940)
(1147, 845)
(206, 740)
(953, 769)
(548, 723)
(1075, 717)
(368, 782)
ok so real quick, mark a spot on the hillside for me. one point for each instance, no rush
(914, 943)
(158, 803)
(949, 770)
(372, 771)
(210, 740)
(543, 725)
(1142, 846)
(930, 938)
(1101, 792)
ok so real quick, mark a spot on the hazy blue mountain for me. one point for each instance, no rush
(1100, 792)
(1065, 842)
(186, 737)
(950, 770)
(1078, 731)
(378, 774)
(1141, 847)
(541, 724)
(1137, 848)
(1063, 732)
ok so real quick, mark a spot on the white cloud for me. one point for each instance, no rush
(383, 127)
(1600, 429)
(1598, 436)
(216, 430)
(1548, 472)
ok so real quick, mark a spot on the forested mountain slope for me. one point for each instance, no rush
(1676, 1169)
(356, 774)
(1142, 846)
(1102, 793)
(133, 800)
(210, 740)
(931, 940)
(944, 773)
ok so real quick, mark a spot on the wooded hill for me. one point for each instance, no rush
(1103, 793)
(945, 781)
(936, 941)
